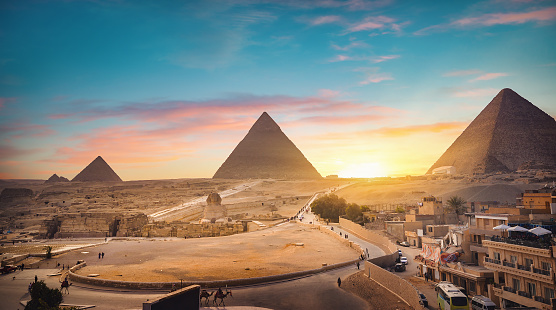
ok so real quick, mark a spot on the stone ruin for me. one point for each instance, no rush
(15, 196)
(93, 224)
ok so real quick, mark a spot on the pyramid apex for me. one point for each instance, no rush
(265, 123)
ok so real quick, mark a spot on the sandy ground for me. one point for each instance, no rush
(372, 292)
(262, 253)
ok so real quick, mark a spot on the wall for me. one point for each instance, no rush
(368, 235)
(385, 260)
(186, 298)
(403, 289)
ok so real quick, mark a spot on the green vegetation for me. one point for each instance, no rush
(456, 204)
(331, 207)
(399, 209)
(44, 298)
(48, 249)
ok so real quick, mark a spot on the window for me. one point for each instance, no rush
(546, 265)
(528, 262)
(455, 280)
(516, 284)
(430, 229)
(513, 259)
(443, 276)
(472, 287)
(532, 289)
(548, 293)
(500, 222)
(496, 256)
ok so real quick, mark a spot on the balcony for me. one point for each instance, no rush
(524, 271)
(523, 298)
(540, 244)
(524, 247)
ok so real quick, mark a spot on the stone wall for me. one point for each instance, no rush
(93, 224)
(403, 289)
(370, 236)
(192, 230)
(185, 298)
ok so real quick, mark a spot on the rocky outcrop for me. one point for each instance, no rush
(266, 152)
(14, 196)
(508, 134)
(97, 171)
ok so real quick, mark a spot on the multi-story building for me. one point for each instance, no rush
(523, 272)
(537, 201)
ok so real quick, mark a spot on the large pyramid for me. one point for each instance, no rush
(508, 134)
(97, 171)
(266, 152)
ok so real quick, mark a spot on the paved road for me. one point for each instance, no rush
(313, 292)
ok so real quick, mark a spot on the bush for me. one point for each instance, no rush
(44, 298)
(329, 207)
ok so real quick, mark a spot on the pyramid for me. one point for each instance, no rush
(266, 152)
(508, 134)
(55, 179)
(97, 171)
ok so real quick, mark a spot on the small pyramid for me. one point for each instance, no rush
(97, 171)
(55, 179)
(266, 152)
(510, 132)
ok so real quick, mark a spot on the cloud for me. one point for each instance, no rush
(325, 20)
(376, 78)
(419, 129)
(488, 76)
(546, 15)
(384, 58)
(462, 73)
(340, 58)
(328, 93)
(478, 92)
(373, 59)
(373, 23)
(350, 46)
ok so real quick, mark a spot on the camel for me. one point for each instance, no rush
(221, 295)
(206, 295)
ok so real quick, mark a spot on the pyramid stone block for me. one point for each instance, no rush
(266, 152)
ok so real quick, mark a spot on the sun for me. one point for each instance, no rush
(363, 170)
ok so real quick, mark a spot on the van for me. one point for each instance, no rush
(479, 302)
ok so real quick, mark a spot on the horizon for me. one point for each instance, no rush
(166, 91)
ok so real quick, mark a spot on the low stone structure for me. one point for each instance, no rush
(93, 224)
(193, 230)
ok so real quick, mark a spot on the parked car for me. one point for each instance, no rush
(423, 300)
(403, 260)
(399, 267)
(8, 269)
(404, 243)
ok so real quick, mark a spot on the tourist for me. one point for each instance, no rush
(102, 254)
(357, 265)
(339, 282)
(36, 278)
(98, 255)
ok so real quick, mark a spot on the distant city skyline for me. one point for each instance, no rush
(167, 89)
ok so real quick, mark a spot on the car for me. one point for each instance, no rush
(399, 267)
(8, 269)
(423, 300)
(405, 244)
(403, 260)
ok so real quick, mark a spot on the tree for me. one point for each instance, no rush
(329, 207)
(48, 249)
(399, 209)
(44, 298)
(456, 204)
(354, 213)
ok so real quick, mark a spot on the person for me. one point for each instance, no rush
(36, 279)
(65, 285)
(357, 265)
(426, 277)
(30, 287)
(339, 282)
(98, 255)
(102, 254)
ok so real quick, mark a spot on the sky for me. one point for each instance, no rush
(167, 89)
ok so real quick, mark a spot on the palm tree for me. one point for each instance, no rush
(456, 204)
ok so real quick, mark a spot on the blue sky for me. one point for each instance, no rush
(166, 89)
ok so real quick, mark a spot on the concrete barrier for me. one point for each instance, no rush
(186, 298)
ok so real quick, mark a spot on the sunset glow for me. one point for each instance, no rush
(168, 89)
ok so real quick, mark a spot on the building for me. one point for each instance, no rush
(524, 272)
(538, 200)
(398, 228)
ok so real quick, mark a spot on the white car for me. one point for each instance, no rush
(403, 260)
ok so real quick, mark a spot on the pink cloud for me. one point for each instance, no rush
(462, 73)
(488, 76)
(328, 93)
(375, 22)
(325, 20)
(376, 78)
(479, 92)
(340, 58)
(349, 46)
(543, 15)
(384, 58)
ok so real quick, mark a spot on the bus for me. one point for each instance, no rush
(449, 297)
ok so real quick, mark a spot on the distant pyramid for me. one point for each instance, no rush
(510, 132)
(266, 152)
(97, 171)
(55, 179)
